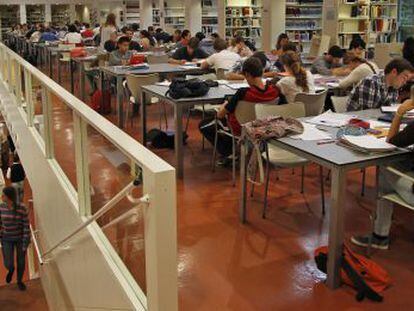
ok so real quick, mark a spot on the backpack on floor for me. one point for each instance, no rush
(160, 139)
(182, 88)
(359, 272)
(101, 103)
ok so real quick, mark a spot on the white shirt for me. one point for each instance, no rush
(358, 74)
(73, 38)
(290, 89)
(223, 60)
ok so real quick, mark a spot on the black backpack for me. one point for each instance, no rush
(182, 88)
(160, 139)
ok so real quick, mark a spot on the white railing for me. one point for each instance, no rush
(159, 183)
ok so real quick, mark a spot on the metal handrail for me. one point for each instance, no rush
(107, 207)
(39, 254)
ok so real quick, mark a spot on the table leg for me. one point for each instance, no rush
(119, 101)
(50, 64)
(82, 81)
(72, 80)
(336, 227)
(178, 141)
(102, 89)
(243, 182)
(144, 117)
(58, 67)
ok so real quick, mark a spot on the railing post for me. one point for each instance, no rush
(29, 96)
(9, 74)
(47, 119)
(82, 164)
(161, 240)
(18, 77)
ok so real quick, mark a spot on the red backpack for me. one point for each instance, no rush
(101, 103)
(365, 275)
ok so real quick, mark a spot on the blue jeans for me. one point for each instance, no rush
(8, 257)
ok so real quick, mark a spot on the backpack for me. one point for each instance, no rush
(99, 104)
(182, 88)
(160, 139)
(359, 272)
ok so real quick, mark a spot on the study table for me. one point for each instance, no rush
(214, 96)
(120, 72)
(339, 160)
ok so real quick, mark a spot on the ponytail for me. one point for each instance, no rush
(291, 60)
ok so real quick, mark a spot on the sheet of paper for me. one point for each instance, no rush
(312, 133)
(164, 83)
(331, 119)
(393, 109)
(236, 86)
(378, 124)
(369, 142)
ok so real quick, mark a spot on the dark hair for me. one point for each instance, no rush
(215, 35)
(158, 30)
(357, 42)
(262, 57)
(279, 40)
(408, 50)
(290, 46)
(238, 39)
(193, 43)
(72, 28)
(291, 60)
(145, 33)
(336, 51)
(110, 20)
(253, 67)
(220, 45)
(178, 32)
(124, 29)
(11, 194)
(16, 157)
(185, 33)
(400, 64)
(200, 36)
(150, 28)
(123, 39)
(87, 25)
(135, 27)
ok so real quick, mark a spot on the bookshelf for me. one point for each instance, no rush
(174, 14)
(244, 18)
(9, 16)
(303, 21)
(156, 14)
(60, 14)
(35, 13)
(131, 13)
(406, 19)
(384, 17)
(209, 17)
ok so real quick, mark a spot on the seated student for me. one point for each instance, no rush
(329, 63)
(145, 40)
(222, 59)
(48, 35)
(390, 182)
(133, 44)
(380, 89)
(290, 46)
(87, 33)
(188, 53)
(257, 91)
(282, 40)
(37, 34)
(299, 79)
(184, 40)
(239, 46)
(236, 72)
(122, 55)
(73, 36)
(360, 69)
(151, 35)
(357, 47)
(206, 44)
(176, 37)
(110, 45)
(161, 36)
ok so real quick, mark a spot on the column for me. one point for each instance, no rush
(273, 22)
(221, 10)
(48, 13)
(330, 20)
(72, 11)
(193, 15)
(145, 13)
(23, 17)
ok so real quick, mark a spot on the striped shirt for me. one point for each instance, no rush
(14, 226)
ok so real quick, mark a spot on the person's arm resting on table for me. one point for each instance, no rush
(404, 138)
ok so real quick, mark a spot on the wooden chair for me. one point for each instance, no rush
(278, 158)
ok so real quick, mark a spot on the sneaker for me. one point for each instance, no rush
(21, 286)
(375, 243)
(9, 276)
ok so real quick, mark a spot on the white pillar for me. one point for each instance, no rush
(145, 13)
(72, 11)
(193, 15)
(23, 17)
(48, 13)
(273, 22)
(221, 14)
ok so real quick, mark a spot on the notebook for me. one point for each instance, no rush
(367, 143)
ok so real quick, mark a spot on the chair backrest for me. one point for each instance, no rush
(340, 103)
(135, 82)
(245, 111)
(157, 59)
(293, 110)
(314, 103)
(221, 74)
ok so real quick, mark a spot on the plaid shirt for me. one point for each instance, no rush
(372, 93)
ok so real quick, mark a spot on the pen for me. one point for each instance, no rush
(325, 142)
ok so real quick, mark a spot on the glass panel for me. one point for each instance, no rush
(63, 138)
(123, 225)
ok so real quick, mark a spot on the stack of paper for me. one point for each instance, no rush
(331, 119)
(164, 83)
(236, 86)
(393, 109)
(367, 143)
(310, 132)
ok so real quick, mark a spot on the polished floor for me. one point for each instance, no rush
(224, 265)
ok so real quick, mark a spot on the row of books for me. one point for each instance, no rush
(362, 26)
(243, 12)
(305, 25)
(384, 25)
(300, 35)
(303, 11)
(245, 33)
(243, 22)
